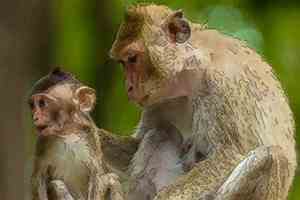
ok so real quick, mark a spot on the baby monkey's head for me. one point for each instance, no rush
(61, 104)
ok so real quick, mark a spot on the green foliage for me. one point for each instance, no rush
(230, 21)
(84, 31)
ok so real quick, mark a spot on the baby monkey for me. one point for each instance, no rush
(69, 162)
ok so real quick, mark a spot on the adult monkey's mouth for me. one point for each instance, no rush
(143, 101)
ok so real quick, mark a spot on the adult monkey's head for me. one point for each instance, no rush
(151, 47)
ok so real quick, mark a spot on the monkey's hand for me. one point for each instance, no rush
(39, 186)
(118, 150)
(59, 191)
(106, 186)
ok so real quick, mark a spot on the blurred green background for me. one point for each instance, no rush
(37, 35)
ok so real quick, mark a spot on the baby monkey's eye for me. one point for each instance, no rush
(42, 103)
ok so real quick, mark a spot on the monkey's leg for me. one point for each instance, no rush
(114, 185)
(263, 175)
(203, 179)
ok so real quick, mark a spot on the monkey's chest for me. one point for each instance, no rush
(164, 165)
(156, 165)
(68, 162)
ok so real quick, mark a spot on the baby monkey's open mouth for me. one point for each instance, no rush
(41, 128)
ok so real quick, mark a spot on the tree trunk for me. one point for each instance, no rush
(23, 47)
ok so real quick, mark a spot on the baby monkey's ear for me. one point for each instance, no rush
(85, 97)
(177, 27)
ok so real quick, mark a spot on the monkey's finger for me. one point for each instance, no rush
(59, 191)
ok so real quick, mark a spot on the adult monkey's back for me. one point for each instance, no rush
(222, 97)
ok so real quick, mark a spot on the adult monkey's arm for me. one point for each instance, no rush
(118, 150)
(253, 178)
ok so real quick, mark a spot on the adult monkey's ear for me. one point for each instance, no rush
(177, 27)
(85, 97)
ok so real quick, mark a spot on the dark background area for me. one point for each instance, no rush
(36, 35)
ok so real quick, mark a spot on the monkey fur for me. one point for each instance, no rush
(222, 97)
(69, 161)
(160, 163)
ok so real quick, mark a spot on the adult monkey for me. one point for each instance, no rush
(222, 97)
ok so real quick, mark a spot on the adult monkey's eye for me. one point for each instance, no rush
(132, 59)
(42, 103)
